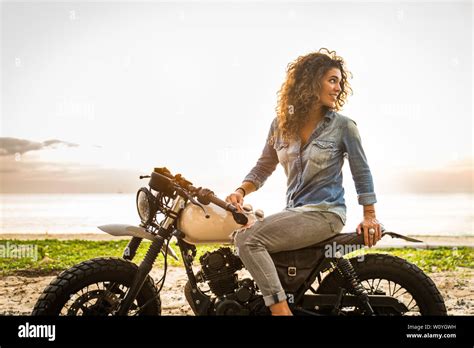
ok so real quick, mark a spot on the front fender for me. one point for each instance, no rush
(121, 230)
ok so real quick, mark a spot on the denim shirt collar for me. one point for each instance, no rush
(329, 114)
(328, 117)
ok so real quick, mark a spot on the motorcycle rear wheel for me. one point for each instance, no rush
(95, 288)
(383, 274)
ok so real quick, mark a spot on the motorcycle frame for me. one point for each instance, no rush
(302, 303)
(202, 303)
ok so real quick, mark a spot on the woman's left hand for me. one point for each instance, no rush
(371, 229)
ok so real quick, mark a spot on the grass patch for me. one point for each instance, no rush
(52, 255)
(57, 255)
(429, 260)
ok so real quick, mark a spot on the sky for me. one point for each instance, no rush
(94, 94)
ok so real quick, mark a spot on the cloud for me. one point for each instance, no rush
(74, 173)
(11, 146)
(52, 177)
(59, 174)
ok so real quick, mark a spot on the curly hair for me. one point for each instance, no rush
(300, 90)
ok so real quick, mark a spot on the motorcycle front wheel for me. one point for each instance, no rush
(95, 288)
(388, 275)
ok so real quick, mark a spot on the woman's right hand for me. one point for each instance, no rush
(236, 199)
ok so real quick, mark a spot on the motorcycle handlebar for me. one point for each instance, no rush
(224, 205)
(204, 196)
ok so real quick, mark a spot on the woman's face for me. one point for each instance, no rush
(330, 88)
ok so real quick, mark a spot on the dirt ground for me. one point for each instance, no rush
(18, 294)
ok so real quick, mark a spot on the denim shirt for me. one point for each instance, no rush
(314, 170)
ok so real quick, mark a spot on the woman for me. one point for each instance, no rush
(310, 140)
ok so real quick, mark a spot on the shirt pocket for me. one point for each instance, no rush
(281, 149)
(322, 151)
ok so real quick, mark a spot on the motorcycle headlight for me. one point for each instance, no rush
(145, 205)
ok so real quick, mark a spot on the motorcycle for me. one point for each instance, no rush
(318, 279)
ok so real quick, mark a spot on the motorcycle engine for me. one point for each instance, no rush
(218, 268)
(234, 297)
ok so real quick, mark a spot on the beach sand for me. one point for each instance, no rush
(18, 294)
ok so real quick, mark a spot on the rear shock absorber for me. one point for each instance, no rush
(349, 274)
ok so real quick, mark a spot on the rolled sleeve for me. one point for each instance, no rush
(367, 198)
(358, 164)
(253, 178)
(266, 164)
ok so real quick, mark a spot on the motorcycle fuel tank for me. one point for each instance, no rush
(215, 229)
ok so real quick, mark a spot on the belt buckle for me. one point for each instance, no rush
(292, 271)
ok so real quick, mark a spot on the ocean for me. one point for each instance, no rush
(409, 214)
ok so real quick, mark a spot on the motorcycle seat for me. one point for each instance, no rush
(351, 238)
(357, 240)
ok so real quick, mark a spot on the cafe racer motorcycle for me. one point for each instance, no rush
(318, 280)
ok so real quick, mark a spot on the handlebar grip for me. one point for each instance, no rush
(220, 203)
(238, 216)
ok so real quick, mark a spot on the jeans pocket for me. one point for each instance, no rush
(334, 222)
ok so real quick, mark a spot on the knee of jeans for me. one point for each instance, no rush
(243, 241)
(240, 236)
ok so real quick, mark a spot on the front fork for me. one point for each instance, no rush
(146, 265)
(131, 249)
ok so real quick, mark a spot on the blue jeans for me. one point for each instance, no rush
(286, 230)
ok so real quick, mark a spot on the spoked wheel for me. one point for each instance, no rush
(388, 275)
(95, 288)
(390, 288)
(99, 299)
